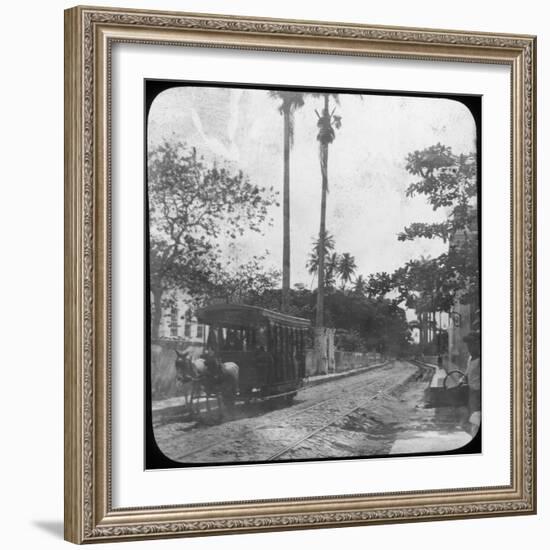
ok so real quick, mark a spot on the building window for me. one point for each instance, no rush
(200, 331)
(174, 321)
(187, 330)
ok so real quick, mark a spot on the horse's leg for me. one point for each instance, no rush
(221, 404)
(193, 397)
(188, 396)
(185, 395)
(198, 399)
(207, 397)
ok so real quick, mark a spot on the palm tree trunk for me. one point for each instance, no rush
(320, 315)
(286, 214)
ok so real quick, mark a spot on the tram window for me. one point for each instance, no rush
(233, 340)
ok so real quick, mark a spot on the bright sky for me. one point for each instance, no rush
(366, 205)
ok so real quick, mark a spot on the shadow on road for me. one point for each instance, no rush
(179, 414)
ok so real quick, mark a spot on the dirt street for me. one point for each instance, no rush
(360, 415)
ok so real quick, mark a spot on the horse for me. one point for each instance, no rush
(193, 372)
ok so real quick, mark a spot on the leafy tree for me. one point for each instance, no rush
(379, 284)
(193, 205)
(362, 323)
(380, 323)
(432, 285)
(428, 285)
(350, 340)
(244, 282)
(289, 103)
(448, 182)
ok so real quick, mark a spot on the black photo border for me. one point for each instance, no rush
(154, 458)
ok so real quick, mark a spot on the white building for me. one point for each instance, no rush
(178, 324)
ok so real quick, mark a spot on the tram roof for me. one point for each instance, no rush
(238, 315)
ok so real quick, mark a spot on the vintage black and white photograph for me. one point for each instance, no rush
(312, 274)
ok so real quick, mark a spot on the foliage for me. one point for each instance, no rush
(448, 182)
(346, 268)
(427, 284)
(350, 340)
(192, 206)
(326, 243)
(378, 284)
(381, 324)
(362, 323)
(337, 266)
(244, 281)
(360, 285)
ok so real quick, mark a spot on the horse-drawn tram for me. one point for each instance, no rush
(268, 347)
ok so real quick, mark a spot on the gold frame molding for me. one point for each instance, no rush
(89, 35)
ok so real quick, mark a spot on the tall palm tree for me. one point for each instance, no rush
(346, 268)
(289, 102)
(332, 269)
(327, 244)
(327, 121)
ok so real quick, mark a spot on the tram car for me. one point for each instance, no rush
(269, 347)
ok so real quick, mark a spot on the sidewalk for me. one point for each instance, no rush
(438, 377)
(433, 441)
(433, 434)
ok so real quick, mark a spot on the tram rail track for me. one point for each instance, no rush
(267, 425)
(308, 415)
(381, 393)
(321, 428)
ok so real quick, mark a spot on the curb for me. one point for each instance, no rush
(419, 363)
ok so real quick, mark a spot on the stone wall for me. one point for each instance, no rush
(347, 360)
(163, 370)
(342, 360)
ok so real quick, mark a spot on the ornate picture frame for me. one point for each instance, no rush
(90, 34)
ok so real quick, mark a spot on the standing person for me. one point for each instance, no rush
(264, 364)
(213, 365)
(473, 372)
